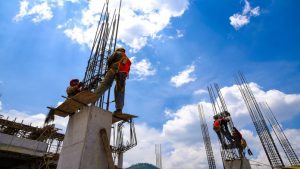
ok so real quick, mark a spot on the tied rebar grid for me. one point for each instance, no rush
(218, 104)
(119, 145)
(259, 122)
(103, 45)
(284, 142)
(206, 139)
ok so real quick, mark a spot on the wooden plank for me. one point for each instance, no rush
(59, 112)
(122, 116)
(74, 100)
(72, 104)
(114, 120)
(107, 149)
(86, 97)
(68, 107)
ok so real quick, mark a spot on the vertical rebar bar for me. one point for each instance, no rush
(206, 139)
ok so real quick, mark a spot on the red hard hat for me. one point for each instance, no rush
(73, 81)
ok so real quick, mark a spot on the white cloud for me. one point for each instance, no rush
(294, 137)
(283, 105)
(168, 113)
(23, 10)
(39, 12)
(183, 147)
(183, 77)
(61, 3)
(141, 69)
(140, 20)
(238, 20)
(145, 149)
(200, 91)
(33, 119)
(179, 34)
(255, 11)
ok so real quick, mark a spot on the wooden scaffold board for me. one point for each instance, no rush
(72, 104)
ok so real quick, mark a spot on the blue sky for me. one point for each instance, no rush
(178, 48)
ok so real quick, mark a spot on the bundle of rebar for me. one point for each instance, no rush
(218, 104)
(103, 45)
(284, 142)
(206, 139)
(259, 122)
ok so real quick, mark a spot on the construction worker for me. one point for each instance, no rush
(239, 141)
(217, 129)
(225, 116)
(74, 88)
(118, 68)
(219, 126)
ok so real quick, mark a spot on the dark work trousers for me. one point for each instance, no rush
(219, 136)
(120, 78)
(120, 90)
(225, 131)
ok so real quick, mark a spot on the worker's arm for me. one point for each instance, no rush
(73, 90)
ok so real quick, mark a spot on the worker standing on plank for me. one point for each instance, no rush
(118, 68)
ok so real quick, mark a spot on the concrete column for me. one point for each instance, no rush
(82, 148)
(237, 164)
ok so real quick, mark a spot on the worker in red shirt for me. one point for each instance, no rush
(219, 127)
(74, 88)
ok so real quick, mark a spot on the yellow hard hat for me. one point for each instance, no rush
(121, 49)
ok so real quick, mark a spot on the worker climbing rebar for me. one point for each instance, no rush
(220, 127)
(118, 69)
(239, 142)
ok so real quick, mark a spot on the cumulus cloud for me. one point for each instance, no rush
(183, 77)
(140, 20)
(141, 69)
(145, 149)
(172, 152)
(239, 20)
(183, 147)
(283, 105)
(39, 12)
(181, 139)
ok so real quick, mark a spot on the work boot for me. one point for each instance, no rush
(118, 111)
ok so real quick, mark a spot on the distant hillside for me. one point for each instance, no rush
(142, 166)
